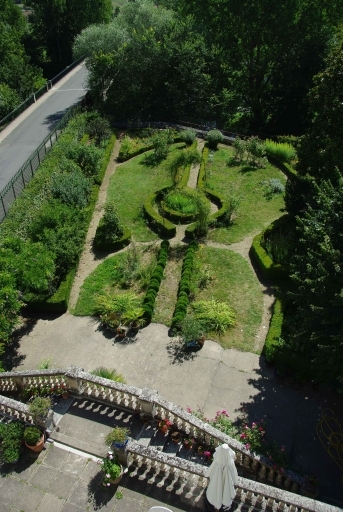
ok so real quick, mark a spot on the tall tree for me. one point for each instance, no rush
(18, 78)
(267, 54)
(146, 64)
(56, 23)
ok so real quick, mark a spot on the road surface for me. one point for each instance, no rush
(35, 123)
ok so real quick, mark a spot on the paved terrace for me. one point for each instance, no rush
(63, 481)
(212, 379)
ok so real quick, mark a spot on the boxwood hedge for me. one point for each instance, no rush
(155, 281)
(184, 285)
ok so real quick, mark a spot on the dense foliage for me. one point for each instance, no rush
(54, 24)
(18, 78)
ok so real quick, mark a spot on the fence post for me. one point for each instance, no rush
(22, 177)
(15, 197)
(32, 171)
(38, 156)
(3, 205)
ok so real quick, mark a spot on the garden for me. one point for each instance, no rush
(198, 290)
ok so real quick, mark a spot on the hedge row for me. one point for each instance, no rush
(202, 171)
(176, 216)
(113, 246)
(186, 172)
(284, 167)
(279, 355)
(163, 226)
(217, 199)
(132, 154)
(184, 285)
(155, 281)
(264, 262)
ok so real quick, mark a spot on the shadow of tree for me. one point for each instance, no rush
(177, 353)
(52, 119)
(98, 494)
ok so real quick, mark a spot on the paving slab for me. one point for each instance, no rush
(50, 503)
(29, 498)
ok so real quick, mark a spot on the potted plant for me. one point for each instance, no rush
(113, 471)
(34, 439)
(164, 425)
(39, 408)
(200, 450)
(176, 437)
(118, 437)
(121, 331)
(188, 443)
(192, 332)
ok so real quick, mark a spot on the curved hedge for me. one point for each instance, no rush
(184, 285)
(122, 158)
(163, 226)
(262, 259)
(284, 167)
(122, 242)
(202, 171)
(222, 204)
(176, 216)
(155, 281)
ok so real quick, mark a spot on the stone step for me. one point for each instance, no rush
(79, 444)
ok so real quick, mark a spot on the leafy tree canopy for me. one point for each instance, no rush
(147, 63)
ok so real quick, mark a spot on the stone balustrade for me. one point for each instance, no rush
(148, 402)
(182, 476)
(16, 410)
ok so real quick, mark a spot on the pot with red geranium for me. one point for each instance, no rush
(188, 443)
(164, 425)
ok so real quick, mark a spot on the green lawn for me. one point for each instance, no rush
(256, 210)
(234, 283)
(129, 187)
(107, 277)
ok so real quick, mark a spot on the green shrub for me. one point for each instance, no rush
(184, 286)
(11, 435)
(281, 150)
(107, 373)
(214, 315)
(98, 128)
(110, 228)
(72, 189)
(155, 281)
(87, 157)
(214, 137)
(32, 435)
(188, 136)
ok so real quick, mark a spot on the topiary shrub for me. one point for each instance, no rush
(110, 233)
(214, 137)
(188, 136)
(155, 281)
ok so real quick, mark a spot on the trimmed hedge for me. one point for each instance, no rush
(280, 355)
(202, 171)
(162, 226)
(57, 303)
(155, 281)
(284, 167)
(264, 262)
(122, 242)
(106, 159)
(176, 216)
(122, 158)
(184, 285)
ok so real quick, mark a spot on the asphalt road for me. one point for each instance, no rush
(18, 145)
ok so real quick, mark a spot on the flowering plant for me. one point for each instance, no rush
(110, 468)
(164, 424)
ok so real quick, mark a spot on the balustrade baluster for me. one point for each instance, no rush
(295, 487)
(183, 481)
(287, 483)
(262, 473)
(281, 506)
(270, 504)
(259, 501)
(271, 475)
(165, 469)
(278, 480)
(246, 461)
(175, 475)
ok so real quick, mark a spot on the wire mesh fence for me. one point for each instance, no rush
(22, 177)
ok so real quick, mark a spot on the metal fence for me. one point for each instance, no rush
(36, 95)
(27, 170)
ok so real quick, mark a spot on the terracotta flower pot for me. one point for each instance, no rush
(38, 447)
(188, 446)
(176, 437)
(117, 480)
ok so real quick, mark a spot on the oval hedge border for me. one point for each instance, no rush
(222, 204)
(160, 224)
(155, 281)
